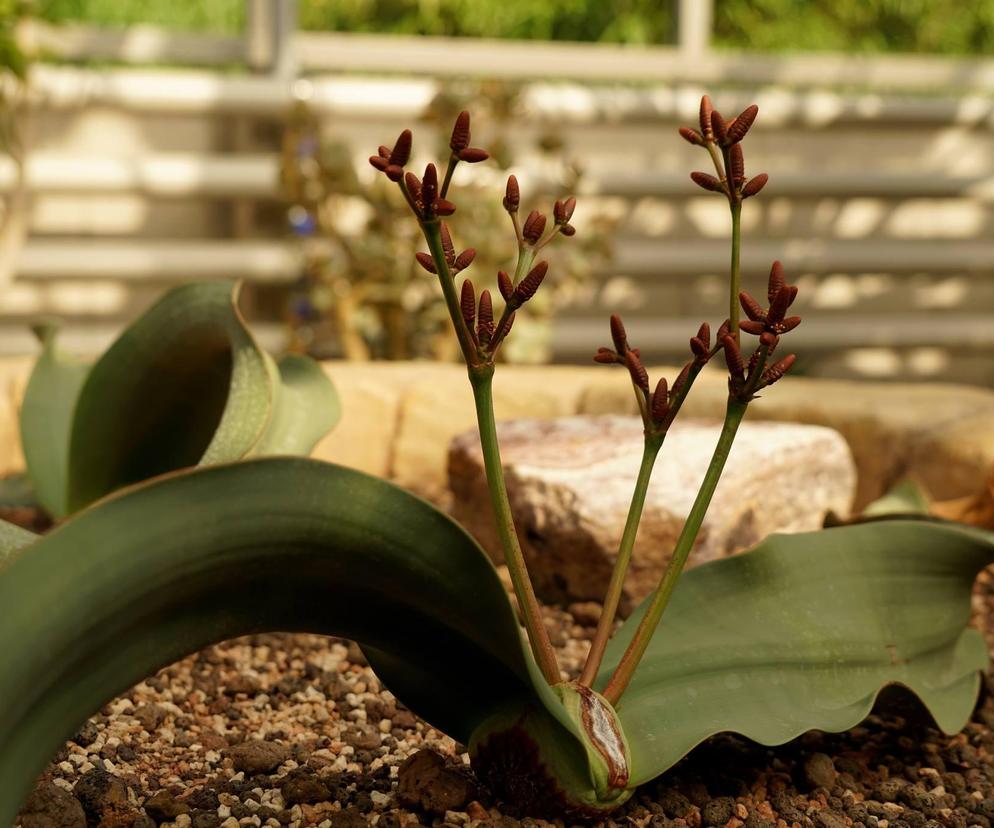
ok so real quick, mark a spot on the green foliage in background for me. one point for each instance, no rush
(942, 26)
(617, 21)
(214, 15)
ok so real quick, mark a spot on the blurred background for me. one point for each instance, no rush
(149, 142)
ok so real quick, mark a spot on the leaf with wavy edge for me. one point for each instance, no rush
(802, 632)
(798, 634)
(186, 384)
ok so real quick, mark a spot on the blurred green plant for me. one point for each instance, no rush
(617, 21)
(363, 295)
(942, 26)
(217, 15)
(939, 26)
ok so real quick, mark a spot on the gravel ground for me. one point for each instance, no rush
(295, 730)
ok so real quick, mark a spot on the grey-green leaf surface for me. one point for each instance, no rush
(165, 568)
(305, 409)
(46, 420)
(185, 384)
(802, 632)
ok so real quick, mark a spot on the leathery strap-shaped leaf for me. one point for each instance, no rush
(165, 568)
(802, 632)
(186, 384)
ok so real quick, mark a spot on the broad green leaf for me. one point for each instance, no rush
(46, 420)
(306, 408)
(802, 632)
(187, 384)
(165, 568)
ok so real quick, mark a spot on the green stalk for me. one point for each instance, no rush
(660, 598)
(653, 442)
(735, 276)
(481, 378)
(433, 235)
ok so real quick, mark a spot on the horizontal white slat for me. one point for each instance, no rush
(256, 175)
(170, 260)
(391, 98)
(135, 44)
(647, 258)
(520, 60)
(176, 175)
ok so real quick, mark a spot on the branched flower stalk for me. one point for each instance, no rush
(723, 142)
(481, 333)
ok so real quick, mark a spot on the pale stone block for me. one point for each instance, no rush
(570, 482)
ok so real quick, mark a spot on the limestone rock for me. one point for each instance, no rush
(570, 481)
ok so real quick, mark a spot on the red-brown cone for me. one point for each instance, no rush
(526, 287)
(443, 207)
(775, 372)
(563, 210)
(464, 259)
(754, 185)
(789, 324)
(505, 285)
(605, 356)
(635, 367)
(447, 246)
(473, 155)
(424, 259)
(467, 303)
(740, 126)
(706, 110)
(512, 195)
(534, 227)
(736, 165)
(780, 303)
(485, 327)
(719, 128)
(401, 152)
(692, 136)
(460, 132)
(777, 279)
(733, 357)
(413, 185)
(618, 335)
(660, 400)
(751, 307)
(429, 186)
(708, 182)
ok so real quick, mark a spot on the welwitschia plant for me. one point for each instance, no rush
(799, 633)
